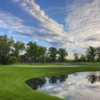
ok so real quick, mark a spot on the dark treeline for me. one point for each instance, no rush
(10, 52)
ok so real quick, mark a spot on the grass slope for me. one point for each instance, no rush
(13, 77)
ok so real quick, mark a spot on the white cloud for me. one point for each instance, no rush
(48, 30)
(47, 23)
(84, 22)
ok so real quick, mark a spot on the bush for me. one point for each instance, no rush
(12, 60)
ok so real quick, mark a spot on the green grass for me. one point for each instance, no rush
(13, 77)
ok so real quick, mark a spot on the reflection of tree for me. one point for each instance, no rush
(34, 83)
(93, 78)
(53, 79)
(61, 78)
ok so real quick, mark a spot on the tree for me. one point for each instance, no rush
(98, 52)
(41, 53)
(91, 51)
(62, 53)
(32, 51)
(12, 60)
(52, 52)
(88, 57)
(5, 48)
(19, 46)
(82, 57)
(24, 58)
(59, 59)
(48, 58)
(76, 56)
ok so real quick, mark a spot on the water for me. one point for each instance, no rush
(77, 86)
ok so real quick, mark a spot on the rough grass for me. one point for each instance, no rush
(13, 77)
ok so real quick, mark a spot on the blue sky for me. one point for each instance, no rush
(70, 24)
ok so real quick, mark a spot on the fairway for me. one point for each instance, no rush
(45, 65)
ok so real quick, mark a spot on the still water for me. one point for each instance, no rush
(77, 86)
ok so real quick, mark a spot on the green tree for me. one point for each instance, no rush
(88, 57)
(5, 48)
(24, 58)
(82, 57)
(52, 52)
(91, 51)
(62, 53)
(59, 59)
(41, 53)
(12, 60)
(19, 46)
(76, 56)
(32, 51)
(98, 52)
(48, 58)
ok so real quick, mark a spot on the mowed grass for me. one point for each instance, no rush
(13, 77)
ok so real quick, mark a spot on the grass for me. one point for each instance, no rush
(13, 77)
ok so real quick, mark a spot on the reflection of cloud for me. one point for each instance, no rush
(75, 88)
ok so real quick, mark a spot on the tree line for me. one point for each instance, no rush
(91, 54)
(10, 52)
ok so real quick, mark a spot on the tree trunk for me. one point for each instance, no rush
(99, 57)
(30, 62)
(17, 62)
(52, 58)
(62, 59)
(92, 60)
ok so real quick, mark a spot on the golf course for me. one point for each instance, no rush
(13, 77)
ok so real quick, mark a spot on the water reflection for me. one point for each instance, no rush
(77, 86)
(54, 79)
(93, 78)
(36, 83)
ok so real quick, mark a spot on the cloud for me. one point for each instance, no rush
(49, 26)
(33, 23)
(83, 22)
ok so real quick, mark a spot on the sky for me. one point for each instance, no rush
(70, 24)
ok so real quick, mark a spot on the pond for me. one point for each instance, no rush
(77, 86)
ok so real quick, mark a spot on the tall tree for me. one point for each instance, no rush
(52, 52)
(62, 53)
(48, 58)
(24, 58)
(19, 46)
(32, 51)
(88, 57)
(5, 47)
(82, 57)
(91, 51)
(98, 52)
(41, 53)
(76, 56)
